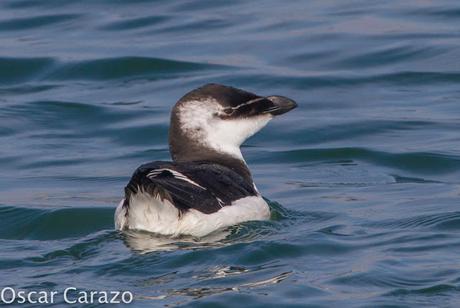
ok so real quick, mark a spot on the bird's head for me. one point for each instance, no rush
(220, 118)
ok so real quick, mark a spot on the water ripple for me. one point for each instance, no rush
(125, 67)
(341, 79)
(390, 55)
(15, 70)
(135, 23)
(426, 163)
(40, 224)
(35, 22)
(366, 169)
(439, 221)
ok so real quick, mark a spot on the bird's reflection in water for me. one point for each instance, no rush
(144, 242)
(203, 284)
(200, 292)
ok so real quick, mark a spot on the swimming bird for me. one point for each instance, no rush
(208, 185)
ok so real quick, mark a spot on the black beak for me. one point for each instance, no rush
(281, 105)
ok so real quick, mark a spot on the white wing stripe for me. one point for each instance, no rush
(220, 202)
(176, 174)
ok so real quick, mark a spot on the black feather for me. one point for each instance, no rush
(222, 185)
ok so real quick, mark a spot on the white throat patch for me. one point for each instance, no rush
(199, 120)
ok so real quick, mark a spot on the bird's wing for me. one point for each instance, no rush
(200, 186)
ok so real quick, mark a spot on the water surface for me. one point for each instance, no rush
(363, 178)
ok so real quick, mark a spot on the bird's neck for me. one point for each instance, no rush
(195, 154)
(189, 151)
(195, 146)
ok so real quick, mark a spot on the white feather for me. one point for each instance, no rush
(154, 215)
(198, 119)
(176, 174)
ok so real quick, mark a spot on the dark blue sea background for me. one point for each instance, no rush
(363, 178)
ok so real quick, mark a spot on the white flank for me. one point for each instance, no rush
(150, 214)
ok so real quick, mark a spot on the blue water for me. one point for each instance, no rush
(362, 178)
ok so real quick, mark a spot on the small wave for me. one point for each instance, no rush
(340, 79)
(135, 23)
(201, 5)
(35, 22)
(81, 249)
(382, 278)
(440, 221)
(58, 119)
(192, 26)
(125, 67)
(407, 179)
(26, 89)
(436, 12)
(19, 70)
(388, 56)
(418, 162)
(15, 70)
(65, 111)
(438, 289)
(24, 4)
(322, 133)
(45, 224)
